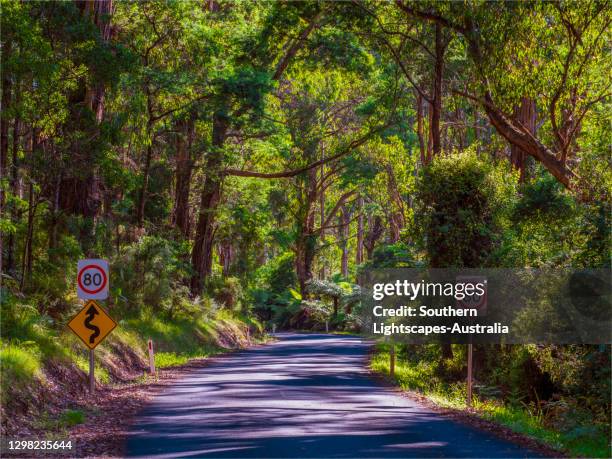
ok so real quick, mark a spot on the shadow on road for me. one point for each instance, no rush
(304, 396)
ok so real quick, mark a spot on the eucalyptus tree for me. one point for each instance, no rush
(555, 51)
(175, 47)
(262, 46)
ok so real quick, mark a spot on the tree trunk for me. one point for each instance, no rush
(55, 210)
(81, 192)
(26, 269)
(374, 233)
(143, 190)
(307, 238)
(304, 258)
(397, 211)
(323, 271)
(447, 351)
(519, 137)
(344, 219)
(4, 147)
(525, 114)
(16, 192)
(359, 252)
(437, 92)
(4, 132)
(201, 255)
(225, 251)
(420, 128)
(184, 167)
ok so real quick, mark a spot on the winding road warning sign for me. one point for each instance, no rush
(92, 279)
(92, 324)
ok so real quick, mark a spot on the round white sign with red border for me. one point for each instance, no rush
(92, 279)
(478, 302)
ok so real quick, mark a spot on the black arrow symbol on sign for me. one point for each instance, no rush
(91, 313)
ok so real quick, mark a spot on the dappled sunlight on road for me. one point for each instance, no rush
(304, 396)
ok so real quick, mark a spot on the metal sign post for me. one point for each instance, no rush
(92, 379)
(479, 303)
(92, 324)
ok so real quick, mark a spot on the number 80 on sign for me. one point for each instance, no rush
(92, 279)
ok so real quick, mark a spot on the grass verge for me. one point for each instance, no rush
(585, 441)
(44, 353)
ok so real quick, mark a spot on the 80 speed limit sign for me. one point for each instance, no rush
(92, 279)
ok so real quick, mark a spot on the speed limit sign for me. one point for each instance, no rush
(474, 300)
(92, 279)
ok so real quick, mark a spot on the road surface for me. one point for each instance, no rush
(303, 396)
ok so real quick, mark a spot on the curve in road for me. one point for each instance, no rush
(303, 396)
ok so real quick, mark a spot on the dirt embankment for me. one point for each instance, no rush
(58, 405)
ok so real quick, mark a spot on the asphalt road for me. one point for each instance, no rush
(304, 396)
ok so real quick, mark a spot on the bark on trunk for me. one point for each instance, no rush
(437, 92)
(374, 233)
(26, 268)
(4, 149)
(307, 239)
(420, 128)
(525, 114)
(359, 251)
(10, 263)
(304, 258)
(396, 218)
(184, 168)
(226, 252)
(344, 219)
(323, 271)
(4, 133)
(521, 138)
(81, 193)
(201, 256)
(142, 198)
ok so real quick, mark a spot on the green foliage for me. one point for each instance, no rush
(274, 281)
(72, 417)
(398, 255)
(151, 272)
(89, 121)
(462, 200)
(227, 291)
(550, 227)
(19, 365)
(558, 424)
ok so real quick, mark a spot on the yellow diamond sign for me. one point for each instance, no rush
(92, 324)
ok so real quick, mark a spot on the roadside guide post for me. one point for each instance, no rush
(478, 302)
(151, 358)
(92, 324)
(327, 326)
(392, 360)
(469, 375)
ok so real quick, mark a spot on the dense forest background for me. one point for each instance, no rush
(241, 162)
